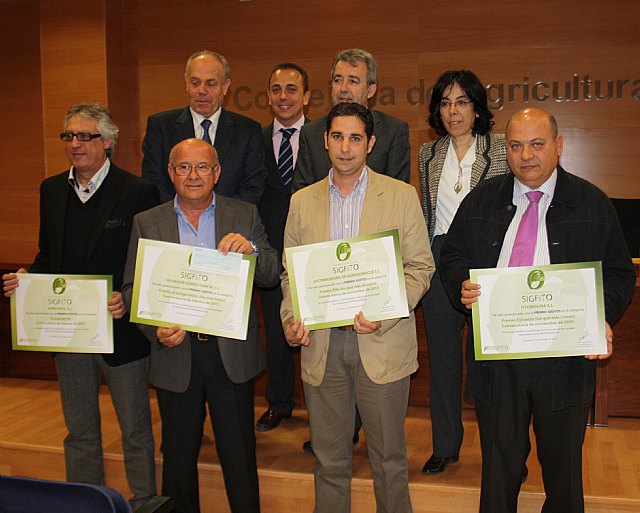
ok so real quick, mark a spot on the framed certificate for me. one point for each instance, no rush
(62, 313)
(539, 311)
(332, 281)
(198, 288)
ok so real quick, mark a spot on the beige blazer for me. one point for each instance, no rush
(391, 353)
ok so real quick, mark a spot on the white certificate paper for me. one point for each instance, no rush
(539, 311)
(62, 313)
(332, 281)
(200, 289)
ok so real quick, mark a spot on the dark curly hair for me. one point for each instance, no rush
(476, 92)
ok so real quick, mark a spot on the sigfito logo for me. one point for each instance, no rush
(535, 279)
(59, 286)
(343, 251)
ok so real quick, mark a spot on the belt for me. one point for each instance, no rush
(201, 337)
(345, 328)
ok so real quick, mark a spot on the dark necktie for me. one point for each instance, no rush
(206, 123)
(525, 244)
(285, 156)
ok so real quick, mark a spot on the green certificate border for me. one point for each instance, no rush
(164, 282)
(339, 253)
(542, 302)
(63, 292)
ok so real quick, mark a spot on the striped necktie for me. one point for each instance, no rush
(285, 157)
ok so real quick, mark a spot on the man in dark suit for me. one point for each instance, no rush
(236, 138)
(572, 221)
(85, 222)
(288, 94)
(191, 370)
(354, 78)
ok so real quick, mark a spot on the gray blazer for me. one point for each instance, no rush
(242, 359)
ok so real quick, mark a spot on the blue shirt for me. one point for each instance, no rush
(205, 235)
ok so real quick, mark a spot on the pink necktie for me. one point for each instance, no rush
(525, 244)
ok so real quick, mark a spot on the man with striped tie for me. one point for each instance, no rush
(236, 138)
(288, 94)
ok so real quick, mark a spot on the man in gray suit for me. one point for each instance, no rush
(191, 370)
(354, 78)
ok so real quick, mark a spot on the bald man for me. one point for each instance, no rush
(576, 223)
(192, 370)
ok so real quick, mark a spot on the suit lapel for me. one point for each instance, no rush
(480, 166)
(111, 190)
(184, 126)
(224, 135)
(372, 211)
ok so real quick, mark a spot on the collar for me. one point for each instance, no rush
(178, 211)
(95, 181)
(277, 125)
(214, 118)
(363, 181)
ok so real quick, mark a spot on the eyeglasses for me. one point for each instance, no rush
(202, 169)
(82, 136)
(459, 104)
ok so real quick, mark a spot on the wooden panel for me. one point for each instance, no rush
(21, 131)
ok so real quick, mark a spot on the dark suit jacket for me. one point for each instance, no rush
(238, 143)
(242, 359)
(274, 205)
(391, 154)
(123, 195)
(582, 226)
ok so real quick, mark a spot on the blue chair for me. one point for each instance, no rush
(27, 495)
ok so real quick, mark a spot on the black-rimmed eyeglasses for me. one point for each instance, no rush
(81, 136)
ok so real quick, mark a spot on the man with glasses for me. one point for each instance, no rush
(237, 139)
(85, 221)
(193, 370)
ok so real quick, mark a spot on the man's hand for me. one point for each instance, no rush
(171, 337)
(469, 293)
(296, 334)
(608, 333)
(11, 281)
(364, 327)
(235, 243)
(116, 305)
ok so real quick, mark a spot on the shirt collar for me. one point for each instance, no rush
(214, 118)
(362, 182)
(547, 188)
(178, 211)
(277, 125)
(95, 181)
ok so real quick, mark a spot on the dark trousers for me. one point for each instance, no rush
(281, 368)
(519, 390)
(444, 337)
(231, 411)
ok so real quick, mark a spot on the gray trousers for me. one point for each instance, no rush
(332, 407)
(79, 377)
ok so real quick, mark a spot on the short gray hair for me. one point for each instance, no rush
(354, 56)
(203, 53)
(98, 112)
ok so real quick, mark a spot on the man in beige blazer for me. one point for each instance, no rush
(369, 362)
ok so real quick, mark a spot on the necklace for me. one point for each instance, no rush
(458, 185)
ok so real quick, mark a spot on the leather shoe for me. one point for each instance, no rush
(269, 420)
(437, 464)
(525, 474)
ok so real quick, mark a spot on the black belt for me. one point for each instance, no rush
(345, 328)
(201, 337)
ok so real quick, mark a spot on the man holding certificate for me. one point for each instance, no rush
(192, 370)
(366, 362)
(85, 222)
(536, 215)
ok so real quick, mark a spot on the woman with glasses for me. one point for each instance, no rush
(450, 167)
